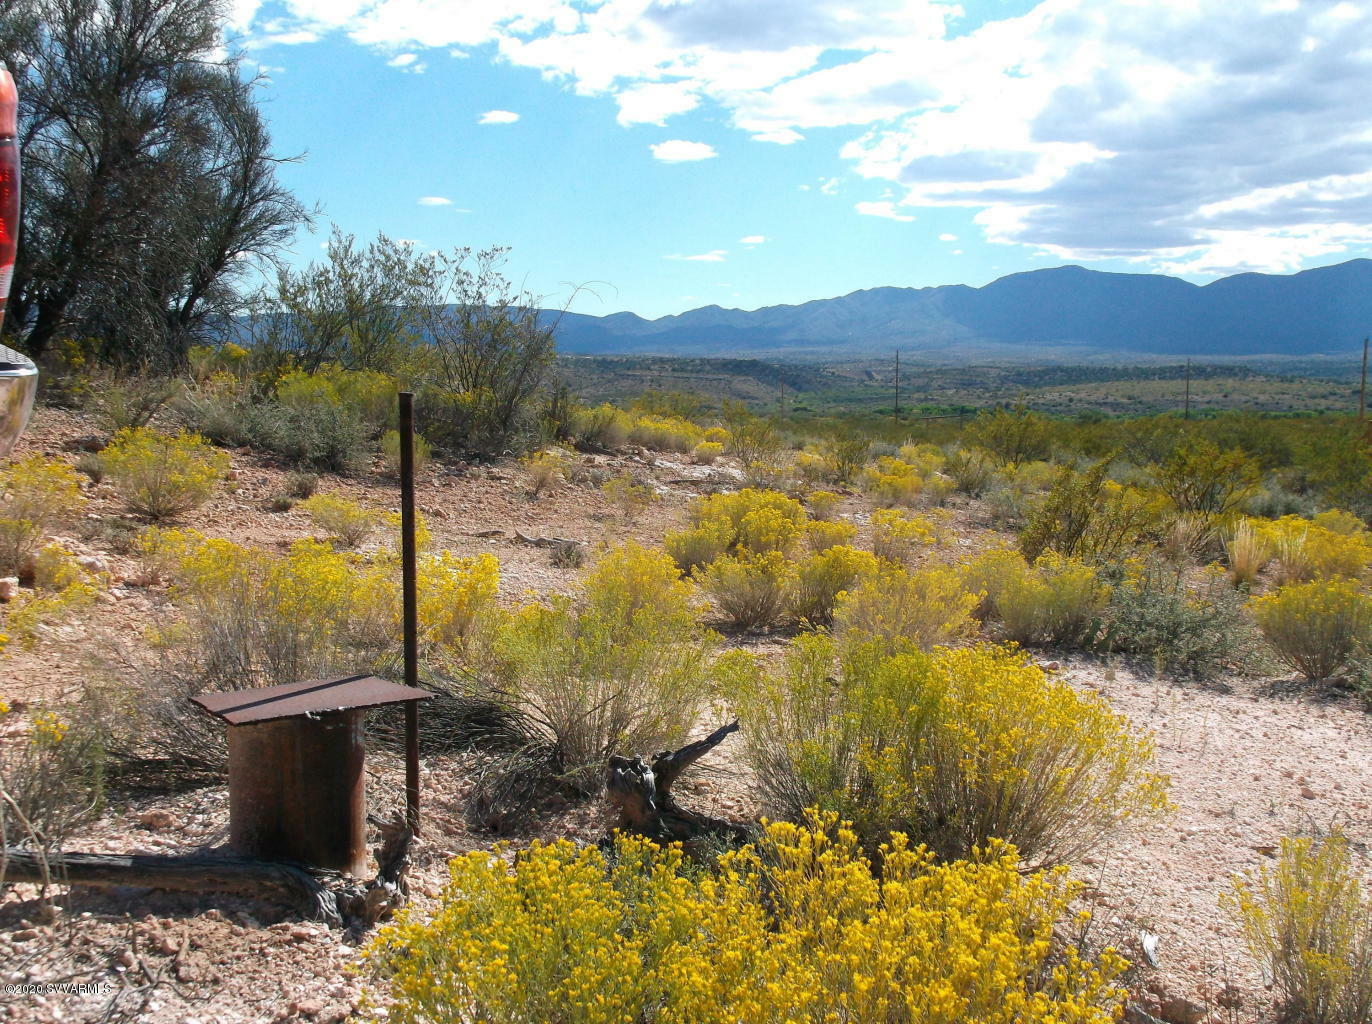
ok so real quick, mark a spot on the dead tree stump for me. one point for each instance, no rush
(642, 792)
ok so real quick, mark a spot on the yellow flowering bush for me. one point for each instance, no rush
(954, 747)
(794, 929)
(603, 426)
(37, 495)
(616, 667)
(752, 590)
(1308, 920)
(823, 504)
(1307, 550)
(665, 433)
(891, 482)
(627, 497)
(51, 779)
(898, 537)
(344, 520)
(698, 546)
(707, 453)
(547, 468)
(823, 534)
(823, 578)
(61, 587)
(1315, 627)
(923, 607)
(1055, 600)
(160, 476)
(745, 520)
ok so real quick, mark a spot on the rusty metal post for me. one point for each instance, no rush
(410, 596)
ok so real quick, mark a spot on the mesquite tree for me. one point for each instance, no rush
(149, 181)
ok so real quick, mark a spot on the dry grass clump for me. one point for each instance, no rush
(627, 496)
(954, 748)
(546, 469)
(1308, 920)
(1247, 551)
(51, 781)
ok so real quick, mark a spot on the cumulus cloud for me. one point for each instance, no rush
(945, 237)
(752, 240)
(435, 201)
(498, 117)
(882, 208)
(713, 256)
(1194, 135)
(675, 151)
(408, 62)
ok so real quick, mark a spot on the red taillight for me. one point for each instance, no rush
(9, 185)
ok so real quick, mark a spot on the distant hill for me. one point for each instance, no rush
(1070, 311)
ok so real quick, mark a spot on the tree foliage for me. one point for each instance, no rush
(150, 183)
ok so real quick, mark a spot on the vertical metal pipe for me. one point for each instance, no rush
(410, 598)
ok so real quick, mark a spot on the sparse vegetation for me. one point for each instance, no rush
(161, 476)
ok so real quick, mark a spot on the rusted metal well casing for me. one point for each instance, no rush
(297, 790)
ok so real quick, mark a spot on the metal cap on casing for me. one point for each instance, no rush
(311, 697)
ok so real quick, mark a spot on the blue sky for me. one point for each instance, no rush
(667, 154)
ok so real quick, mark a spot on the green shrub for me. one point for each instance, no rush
(1012, 435)
(1315, 627)
(1206, 483)
(1087, 516)
(131, 402)
(390, 452)
(971, 470)
(1198, 631)
(161, 476)
(37, 496)
(1307, 920)
(953, 748)
(603, 427)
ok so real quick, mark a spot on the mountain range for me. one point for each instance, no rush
(1064, 311)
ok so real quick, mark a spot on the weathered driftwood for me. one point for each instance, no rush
(547, 542)
(642, 792)
(319, 895)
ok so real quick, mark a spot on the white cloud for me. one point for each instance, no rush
(829, 186)
(780, 136)
(675, 151)
(882, 208)
(713, 256)
(435, 201)
(654, 102)
(498, 117)
(947, 238)
(1191, 135)
(408, 62)
(752, 240)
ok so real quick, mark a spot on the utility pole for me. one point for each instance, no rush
(1186, 415)
(1362, 388)
(898, 382)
